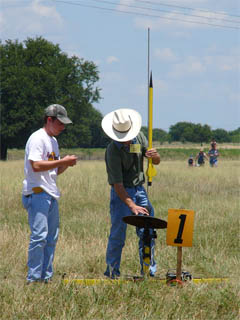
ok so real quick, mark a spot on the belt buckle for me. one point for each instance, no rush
(37, 190)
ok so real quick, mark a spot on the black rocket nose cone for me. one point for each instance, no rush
(151, 84)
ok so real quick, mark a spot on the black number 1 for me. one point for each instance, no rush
(179, 239)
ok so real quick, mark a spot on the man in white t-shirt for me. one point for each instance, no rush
(40, 197)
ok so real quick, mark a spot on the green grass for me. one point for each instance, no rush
(181, 153)
(168, 152)
(213, 193)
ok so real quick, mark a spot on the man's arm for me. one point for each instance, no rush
(124, 196)
(205, 155)
(61, 164)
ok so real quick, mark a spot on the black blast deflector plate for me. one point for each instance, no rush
(145, 222)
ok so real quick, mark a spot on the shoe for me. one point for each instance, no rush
(151, 274)
(33, 281)
(114, 275)
(48, 280)
(107, 273)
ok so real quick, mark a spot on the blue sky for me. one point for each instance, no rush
(196, 66)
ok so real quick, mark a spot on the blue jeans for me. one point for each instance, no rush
(213, 162)
(43, 219)
(117, 237)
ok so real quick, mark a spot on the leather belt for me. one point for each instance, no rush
(37, 190)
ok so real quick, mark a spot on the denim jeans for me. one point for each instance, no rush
(116, 241)
(213, 162)
(43, 219)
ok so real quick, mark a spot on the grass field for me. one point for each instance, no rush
(213, 193)
(173, 151)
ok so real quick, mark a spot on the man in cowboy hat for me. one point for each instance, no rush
(124, 164)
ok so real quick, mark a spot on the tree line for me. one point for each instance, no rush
(37, 73)
(190, 132)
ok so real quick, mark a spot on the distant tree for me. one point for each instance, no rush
(159, 135)
(176, 131)
(204, 134)
(188, 134)
(235, 135)
(221, 135)
(145, 131)
(187, 131)
(37, 73)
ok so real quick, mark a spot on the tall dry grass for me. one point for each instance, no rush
(213, 193)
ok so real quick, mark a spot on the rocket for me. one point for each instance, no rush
(151, 171)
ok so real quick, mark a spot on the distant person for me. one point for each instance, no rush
(124, 164)
(213, 155)
(190, 161)
(213, 141)
(40, 197)
(200, 158)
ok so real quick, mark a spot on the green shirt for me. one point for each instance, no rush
(123, 166)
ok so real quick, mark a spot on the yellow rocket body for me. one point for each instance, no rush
(151, 171)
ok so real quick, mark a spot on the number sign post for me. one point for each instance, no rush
(180, 233)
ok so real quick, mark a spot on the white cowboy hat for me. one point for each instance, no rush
(122, 124)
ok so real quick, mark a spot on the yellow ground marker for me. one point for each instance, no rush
(92, 282)
(210, 280)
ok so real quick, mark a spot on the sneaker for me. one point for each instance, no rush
(48, 280)
(33, 281)
(114, 275)
(151, 274)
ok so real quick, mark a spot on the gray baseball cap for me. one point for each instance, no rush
(58, 111)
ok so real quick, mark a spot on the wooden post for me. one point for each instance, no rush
(179, 263)
(180, 233)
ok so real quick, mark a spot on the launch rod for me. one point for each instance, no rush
(148, 75)
(151, 171)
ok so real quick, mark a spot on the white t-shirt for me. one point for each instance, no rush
(41, 146)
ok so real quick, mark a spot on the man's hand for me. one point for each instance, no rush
(152, 153)
(70, 161)
(67, 161)
(139, 210)
(124, 196)
(62, 164)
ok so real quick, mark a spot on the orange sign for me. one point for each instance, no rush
(180, 227)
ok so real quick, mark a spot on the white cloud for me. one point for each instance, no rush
(196, 65)
(161, 85)
(234, 97)
(112, 59)
(165, 54)
(182, 20)
(223, 63)
(190, 2)
(126, 2)
(228, 63)
(45, 11)
(97, 62)
(190, 66)
(177, 19)
(31, 19)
